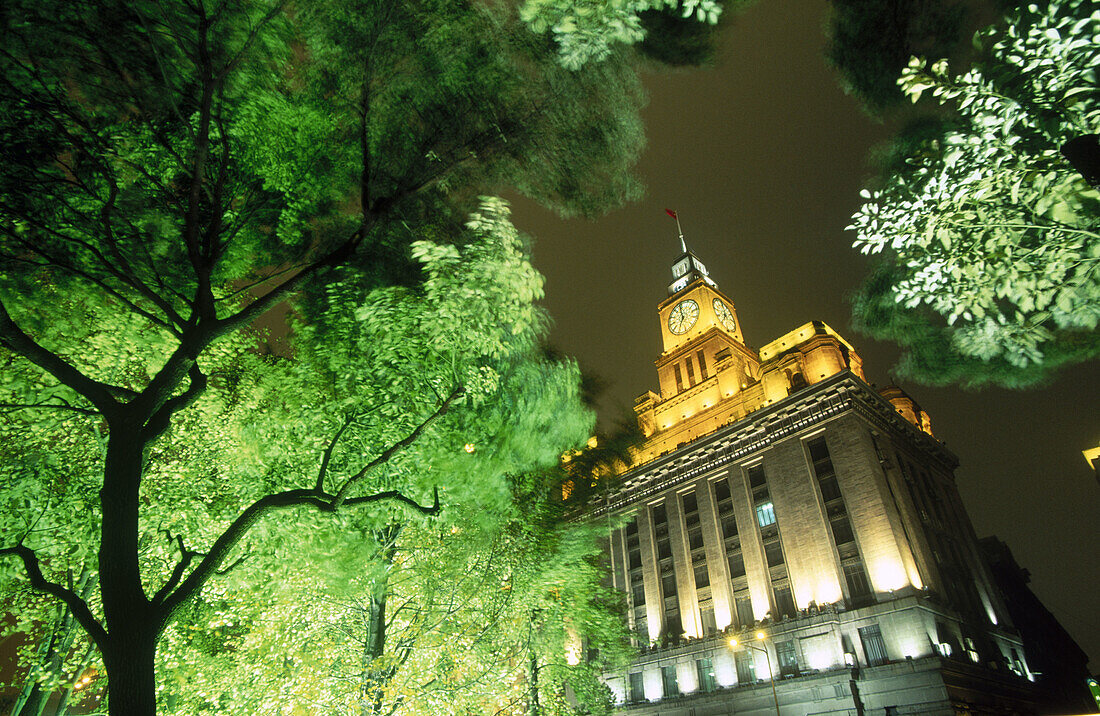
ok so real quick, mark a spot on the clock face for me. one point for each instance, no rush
(683, 316)
(724, 315)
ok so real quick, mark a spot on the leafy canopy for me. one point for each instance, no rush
(991, 238)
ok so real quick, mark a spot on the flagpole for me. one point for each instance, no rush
(674, 215)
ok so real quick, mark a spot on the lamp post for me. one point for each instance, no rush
(767, 659)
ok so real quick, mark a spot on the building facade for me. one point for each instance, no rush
(792, 538)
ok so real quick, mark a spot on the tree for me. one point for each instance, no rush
(870, 42)
(991, 238)
(180, 168)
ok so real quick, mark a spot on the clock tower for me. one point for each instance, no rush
(699, 330)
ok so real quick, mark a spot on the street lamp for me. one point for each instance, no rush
(767, 659)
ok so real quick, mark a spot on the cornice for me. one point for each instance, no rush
(802, 411)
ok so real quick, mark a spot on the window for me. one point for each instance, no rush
(639, 596)
(668, 583)
(637, 687)
(674, 627)
(858, 587)
(765, 514)
(668, 680)
(707, 617)
(784, 602)
(704, 669)
(774, 552)
(873, 645)
(744, 610)
(695, 538)
(746, 669)
(842, 530)
(787, 658)
(702, 364)
(757, 477)
(729, 526)
(691, 370)
(830, 489)
(737, 565)
(679, 377)
(702, 577)
(721, 490)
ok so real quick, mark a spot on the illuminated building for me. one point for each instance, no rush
(778, 492)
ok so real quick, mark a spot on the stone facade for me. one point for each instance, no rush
(785, 517)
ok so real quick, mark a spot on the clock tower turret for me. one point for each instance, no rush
(699, 330)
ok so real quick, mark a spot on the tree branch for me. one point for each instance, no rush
(235, 532)
(386, 454)
(49, 406)
(76, 605)
(186, 555)
(161, 419)
(98, 394)
(326, 456)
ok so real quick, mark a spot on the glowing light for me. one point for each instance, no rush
(888, 574)
(760, 635)
(733, 642)
(469, 447)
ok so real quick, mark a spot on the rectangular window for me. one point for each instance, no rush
(660, 516)
(637, 687)
(691, 370)
(702, 364)
(664, 548)
(704, 669)
(757, 477)
(668, 583)
(721, 490)
(679, 377)
(784, 602)
(830, 488)
(746, 669)
(691, 504)
(873, 645)
(695, 538)
(765, 514)
(710, 626)
(668, 680)
(774, 552)
(842, 530)
(702, 577)
(674, 626)
(787, 658)
(858, 586)
(744, 610)
(639, 596)
(729, 526)
(737, 565)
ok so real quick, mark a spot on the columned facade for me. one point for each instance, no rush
(786, 521)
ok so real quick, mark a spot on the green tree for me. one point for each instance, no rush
(990, 238)
(870, 42)
(180, 168)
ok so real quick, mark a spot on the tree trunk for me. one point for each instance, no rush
(131, 679)
(373, 681)
(533, 702)
(133, 623)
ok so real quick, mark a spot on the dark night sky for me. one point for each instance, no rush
(763, 157)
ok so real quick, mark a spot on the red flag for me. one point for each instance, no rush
(671, 213)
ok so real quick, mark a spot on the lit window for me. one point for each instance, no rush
(765, 514)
